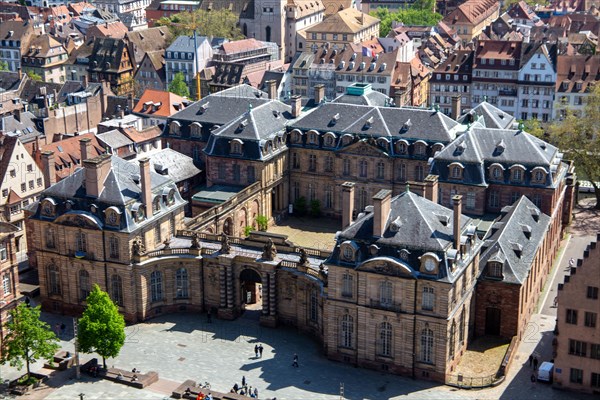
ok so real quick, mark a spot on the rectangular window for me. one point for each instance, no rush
(470, 202)
(23, 187)
(39, 182)
(571, 317)
(592, 292)
(428, 299)
(3, 253)
(576, 375)
(590, 319)
(31, 184)
(4, 192)
(577, 348)
(347, 285)
(157, 237)
(595, 381)
(595, 351)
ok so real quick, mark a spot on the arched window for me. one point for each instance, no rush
(175, 128)
(380, 170)
(156, 290)
(385, 339)
(456, 172)
(347, 331)
(53, 280)
(268, 34)
(182, 284)
(116, 289)
(84, 284)
(385, 293)
(363, 168)
(517, 174)
(427, 346)
(196, 129)
(452, 340)
(6, 284)
(496, 173)
(314, 305)
(402, 147)
(420, 149)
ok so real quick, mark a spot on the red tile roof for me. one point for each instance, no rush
(158, 103)
(67, 154)
(143, 135)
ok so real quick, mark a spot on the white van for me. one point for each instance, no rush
(545, 372)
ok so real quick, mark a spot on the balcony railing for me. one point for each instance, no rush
(389, 306)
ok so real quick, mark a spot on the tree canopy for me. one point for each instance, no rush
(578, 136)
(420, 13)
(216, 23)
(178, 85)
(101, 327)
(29, 338)
(34, 77)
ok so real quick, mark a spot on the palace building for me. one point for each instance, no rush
(423, 262)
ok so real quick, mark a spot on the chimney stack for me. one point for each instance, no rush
(146, 184)
(49, 168)
(96, 171)
(85, 147)
(296, 103)
(431, 188)
(84, 80)
(456, 107)
(120, 113)
(272, 89)
(398, 98)
(382, 203)
(457, 202)
(347, 203)
(319, 93)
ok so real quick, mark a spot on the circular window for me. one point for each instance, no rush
(348, 253)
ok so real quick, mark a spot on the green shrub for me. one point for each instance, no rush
(262, 222)
(315, 208)
(300, 206)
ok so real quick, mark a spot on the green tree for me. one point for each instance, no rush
(534, 127)
(315, 208)
(3, 66)
(28, 338)
(178, 85)
(216, 23)
(578, 136)
(34, 77)
(300, 206)
(421, 13)
(247, 230)
(101, 327)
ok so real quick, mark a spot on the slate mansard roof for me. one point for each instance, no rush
(260, 132)
(372, 121)
(121, 191)
(414, 225)
(488, 116)
(480, 148)
(514, 244)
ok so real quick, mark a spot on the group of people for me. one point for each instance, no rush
(60, 329)
(258, 350)
(245, 389)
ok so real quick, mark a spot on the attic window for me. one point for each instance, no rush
(460, 148)
(526, 231)
(369, 122)
(518, 249)
(204, 107)
(276, 113)
(444, 219)
(243, 124)
(407, 125)
(500, 146)
(335, 118)
(494, 270)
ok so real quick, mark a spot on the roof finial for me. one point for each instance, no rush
(407, 188)
(249, 108)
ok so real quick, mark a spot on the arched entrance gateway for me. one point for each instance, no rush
(250, 290)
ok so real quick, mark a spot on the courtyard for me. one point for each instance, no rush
(316, 233)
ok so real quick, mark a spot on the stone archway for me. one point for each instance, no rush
(228, 227)
(250, 290)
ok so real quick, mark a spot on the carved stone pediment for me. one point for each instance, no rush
(363, 148)
(385, 266)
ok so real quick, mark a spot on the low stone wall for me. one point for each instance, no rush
(190, 390)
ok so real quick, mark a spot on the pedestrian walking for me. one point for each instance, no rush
(295, 363)
(57, 329)
(260, 350)
(533, 380)
(243, 381)
(555, 301)
(530, 360)
(256, 350)
(572, 262)
(535, 363)
(256, 393)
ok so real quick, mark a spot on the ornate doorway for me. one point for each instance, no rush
(251, 290)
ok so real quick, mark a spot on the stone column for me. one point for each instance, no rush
(265, 295)
(229, 278)
(272, 294)
(222, 287)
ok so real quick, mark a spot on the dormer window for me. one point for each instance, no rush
(539, 175)
(156, 205)
(420, 148)
(456, 171)
(296, 136)
(496, 172)
(313, 137)
(494, 270)
(329, 139)
(402, 147)
(137, 212)
(175, 128)
(196, 129)
(236, 146)
(346, 139)
(517, 173)
(48, 207)
(348, 251)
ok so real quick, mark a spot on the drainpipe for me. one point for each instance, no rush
(414, 344)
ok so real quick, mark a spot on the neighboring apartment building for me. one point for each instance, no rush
(9, 275)
(21, 183)
(46, 57)
(537, 79)
(496, 74)
(450, 79)
(342, 28)
(14, 42)
(155, 106)
(189, 55)
(110, 61)
(150, 73)
(472, 17)
(131, 12)
(575, 80)
(577, 358)
(281, 22)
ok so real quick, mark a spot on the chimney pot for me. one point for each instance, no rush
(49, 168)
(146, 184)
(319, 93)
(96, 171)
(296, 103)
(431, 188)
(85, 147)
(456, 107)
(272, 89)
(457, 202)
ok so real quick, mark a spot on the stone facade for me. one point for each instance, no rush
(9, 274)
(577, 359)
